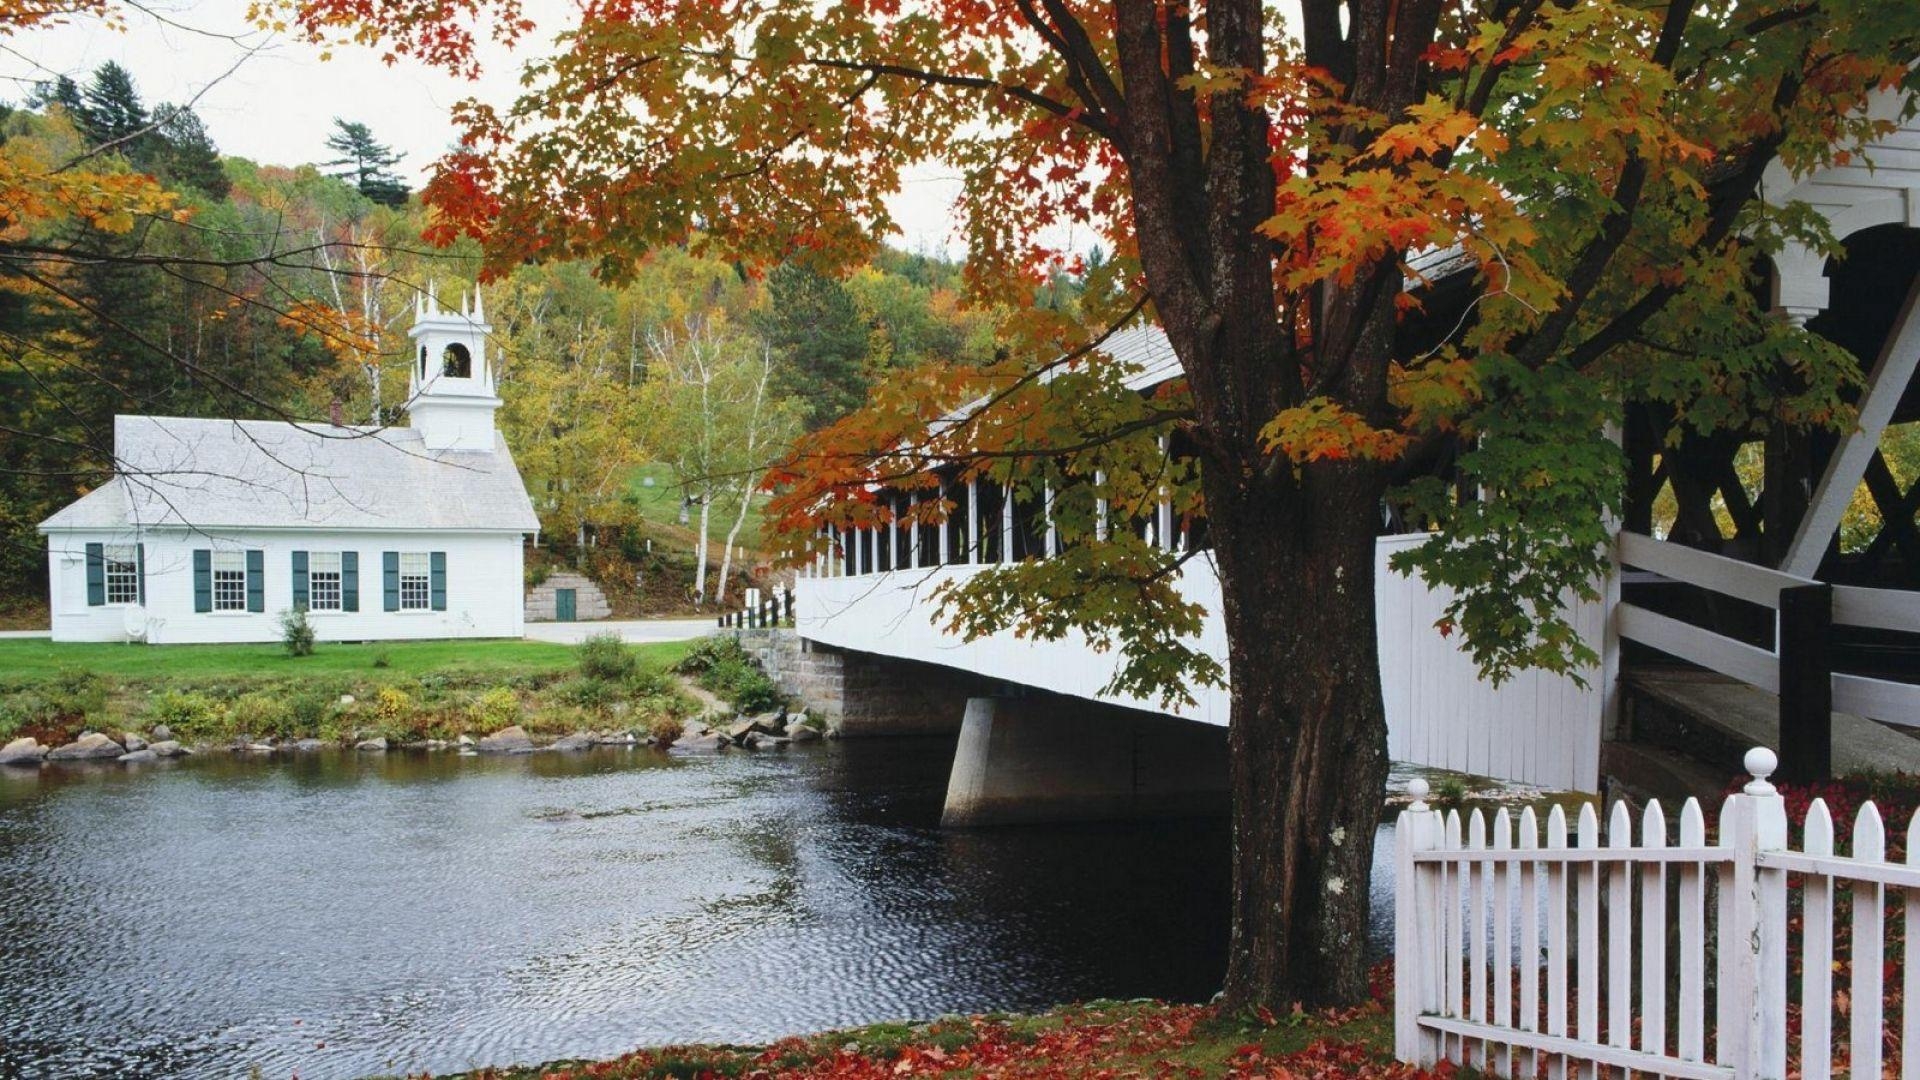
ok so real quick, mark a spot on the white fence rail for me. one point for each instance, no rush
(1884, 609)
(1522, 951)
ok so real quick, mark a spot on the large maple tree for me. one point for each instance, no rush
(1390, 236)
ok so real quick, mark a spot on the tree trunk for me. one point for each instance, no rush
(1308, 731)
(733, 534)
(700, 558)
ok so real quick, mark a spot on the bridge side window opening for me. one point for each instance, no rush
(957, 520)
(992, 501)
(848, 552)
(456, 362)
(928, 532)
(1075, 509)
(884, 542)
(899, 533)
(1190, 528)
(866, 538)
(122, 570)
(1029, 525)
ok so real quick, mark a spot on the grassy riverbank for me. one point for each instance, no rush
(1100, 1039)
(402, 691)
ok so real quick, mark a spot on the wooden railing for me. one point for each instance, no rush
(769, 609)
(1806, 611)
(1518, 952)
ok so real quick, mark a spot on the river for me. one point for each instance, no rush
(340, 915)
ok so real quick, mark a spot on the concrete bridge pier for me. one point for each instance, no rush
(1048, 757)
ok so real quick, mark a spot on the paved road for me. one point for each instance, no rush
(630, 629)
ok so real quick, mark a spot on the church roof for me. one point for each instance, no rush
(175, 471)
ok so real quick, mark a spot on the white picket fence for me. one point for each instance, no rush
(1521, 951)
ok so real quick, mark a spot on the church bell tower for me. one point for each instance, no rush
(450, 399)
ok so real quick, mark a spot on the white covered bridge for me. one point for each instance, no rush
(1695, 601)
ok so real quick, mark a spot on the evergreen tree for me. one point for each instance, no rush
(111, 112)
(366, 162)
(61, 91)
(816, 329)
(187, 156)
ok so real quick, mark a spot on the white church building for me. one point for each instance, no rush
(211, 529)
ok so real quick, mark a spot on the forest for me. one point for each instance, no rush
(642, 415)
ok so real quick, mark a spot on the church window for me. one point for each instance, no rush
(416, 581)
(122, 574)
(323, 581)
(229, 581)
(456, 362)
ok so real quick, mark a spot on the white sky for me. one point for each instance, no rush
(277, 107)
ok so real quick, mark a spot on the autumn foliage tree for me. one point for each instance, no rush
(1393, 233)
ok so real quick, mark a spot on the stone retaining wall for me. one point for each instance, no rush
(589, 602)
(860, 694)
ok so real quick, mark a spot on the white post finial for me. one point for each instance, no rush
(433, 305)
(1418, 788)
(479, 312)
(1760, 762)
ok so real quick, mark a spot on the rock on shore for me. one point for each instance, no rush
(22, 752)
(508, 740)
(92, 746)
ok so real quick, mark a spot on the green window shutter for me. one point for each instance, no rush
(349, 581)
(140, 572)
(390, 579)
(202, 580)
(300, 597)
(96, 575)
(256, 580)
(438, 563)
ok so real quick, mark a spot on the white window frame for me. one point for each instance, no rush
(326, 586)
(229, 582)
(120, 565)
(416, 581)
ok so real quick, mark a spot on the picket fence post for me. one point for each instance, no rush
(1416, 966)
(1758, 940)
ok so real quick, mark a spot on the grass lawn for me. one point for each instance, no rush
(660, 502)
(1098, 1039)
(25, 660)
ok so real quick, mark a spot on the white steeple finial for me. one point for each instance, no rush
(479, 314)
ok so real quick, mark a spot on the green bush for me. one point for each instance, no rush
(393, 705)
(262, 714)
(296, 632)
(186, 710)
(649, 682)
(310, 713)
(559, 719)
(381, 659)
(606, 657)
(495, 709)
(742, 685)
(709, 651)
(587, 692)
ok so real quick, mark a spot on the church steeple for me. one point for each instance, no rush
(451, 398)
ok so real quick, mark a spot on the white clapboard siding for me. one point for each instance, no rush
(1610, 1008)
